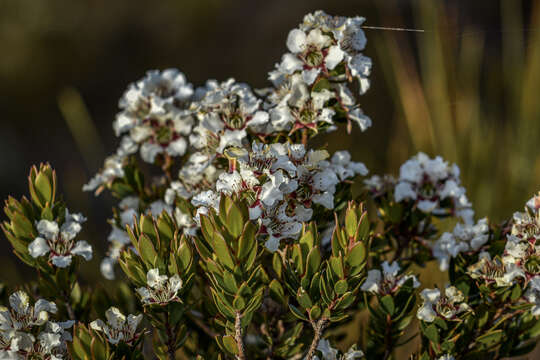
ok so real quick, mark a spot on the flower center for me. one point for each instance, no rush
(314, 57)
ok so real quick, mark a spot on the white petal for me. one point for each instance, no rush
(296, 41)
(272, 244)
(325, 199)
(430, 295)
(177, 147)
(153, 279)
(107, 268)
(38, 247)
(149, 152)
(175, 283)
(98, 325)
(290, 63)
(44, 305)
(115, 318)
(83, 249)
(48, 229)
(231, 138)
(259, 118)
(61, 261)
(310, 75)
(334, 57)
(372, 282)
(426, 313)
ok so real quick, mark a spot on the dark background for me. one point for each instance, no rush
(64, 64)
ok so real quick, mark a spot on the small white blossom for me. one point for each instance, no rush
(434, 186)
(463, 238)
(112, 169)
(160, 289)
(447, 305)
(226, 112)
(58, 242)
(118, 328)
(387, 282)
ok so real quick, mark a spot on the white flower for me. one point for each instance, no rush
(118, 328)
(404, 190)
(353, 354)
(327, 351)
(226, 112)
(160, 289)
(446, 357)
(23, 315)
(464, 238)
(343, 167)
(388, 281)
(113, 168)
(447, 306)
(59, 242)
(434, 185)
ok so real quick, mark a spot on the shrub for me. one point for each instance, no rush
(250, 244)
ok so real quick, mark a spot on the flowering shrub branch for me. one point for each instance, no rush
(250, 244)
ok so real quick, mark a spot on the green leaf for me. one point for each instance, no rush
(229, 344)
(345, 301)
(516, 292)
(276, 291)
(387, 303)
(341, 287)
(363, 228)
(239, 303)
(303, 299)
(296, 312)
(235, 222)
(43, 188)
(351, 222)
(432, 333)
(315, 312)
(357, 256)
(246, 241)
(222, 250)
(490, 338)
(337, 266)
(147, 251)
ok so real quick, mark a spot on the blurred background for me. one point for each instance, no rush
(467, 88)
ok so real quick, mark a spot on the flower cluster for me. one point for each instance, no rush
(58, 242)
(434, 186)
(520, 260)
(464, 238)
(225, 112)
(447, 306)
(155, 115)
(322, 50)
(160, 289)
(280, 183)
(388, 281)
(118, 328)
(27, 333)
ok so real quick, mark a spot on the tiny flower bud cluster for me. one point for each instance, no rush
(20, 324)
(58, 242)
